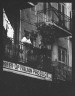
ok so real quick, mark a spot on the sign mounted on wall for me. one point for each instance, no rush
(27, 71)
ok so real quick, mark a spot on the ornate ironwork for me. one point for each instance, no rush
(37, 58)
(28, 55)
(55, 16)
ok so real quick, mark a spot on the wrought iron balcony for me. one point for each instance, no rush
(33, 57)
(28, 55)
(53, 15)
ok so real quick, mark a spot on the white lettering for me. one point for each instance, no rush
(34, 72)
(5, 64)
(43, 74)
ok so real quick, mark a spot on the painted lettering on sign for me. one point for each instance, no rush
(27, 70)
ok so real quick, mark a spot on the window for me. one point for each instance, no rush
(59, 7)
(63, 9)
(62, 55)
(44, 8)
(63, 14)
(49, 7)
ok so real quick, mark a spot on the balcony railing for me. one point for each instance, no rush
(40, 59)
(28, 55)
(54, 16)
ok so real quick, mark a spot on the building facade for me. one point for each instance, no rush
(38, 41)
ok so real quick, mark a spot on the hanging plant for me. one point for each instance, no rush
(47, 33)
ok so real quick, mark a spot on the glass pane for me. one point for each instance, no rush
(44, 5)
(59, 54)
(63, 56)
(59, 7)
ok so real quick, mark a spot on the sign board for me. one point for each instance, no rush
(27, 71)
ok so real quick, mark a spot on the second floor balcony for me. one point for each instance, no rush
(55, 16)
(28, 55)
(52, 16)
(41, 59)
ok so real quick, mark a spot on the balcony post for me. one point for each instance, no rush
(16, 35)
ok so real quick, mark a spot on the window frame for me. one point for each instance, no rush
(62, 49)
(59, 7)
